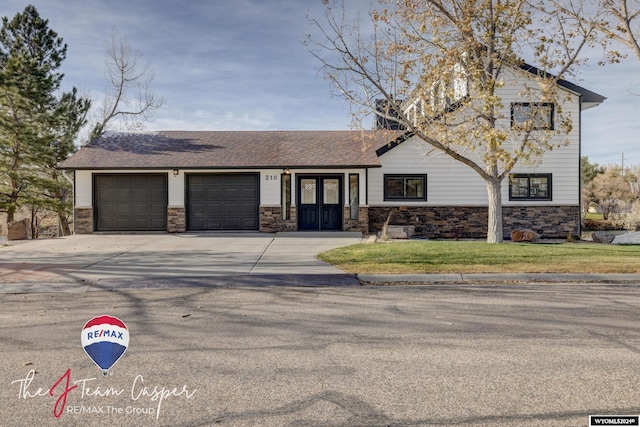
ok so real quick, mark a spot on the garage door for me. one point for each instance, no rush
(128, 202)
(222, 201)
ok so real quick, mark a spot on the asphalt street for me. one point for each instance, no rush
(469, 355)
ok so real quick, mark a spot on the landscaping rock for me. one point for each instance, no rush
(400, 231)
(602, 237)
(627, 239)
(19, 230)
(524, 235)
(371, 239)
(394, 233)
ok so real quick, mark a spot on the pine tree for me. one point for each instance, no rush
(37, 126)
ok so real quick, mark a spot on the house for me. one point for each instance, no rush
(321, 180)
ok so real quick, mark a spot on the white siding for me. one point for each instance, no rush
(84, 189)
(176, 189)
(452, 183)
(270, 183)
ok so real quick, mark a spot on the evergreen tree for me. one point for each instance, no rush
(37, 124)
(589, 170)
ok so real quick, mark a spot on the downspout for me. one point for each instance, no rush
(580, 169)
(73, 191)
(366, 198)
(366, 186)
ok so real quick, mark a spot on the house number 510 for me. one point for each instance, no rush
(271, 177)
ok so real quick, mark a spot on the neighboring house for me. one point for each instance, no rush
(320, 180)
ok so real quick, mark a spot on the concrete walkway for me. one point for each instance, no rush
(82, 263)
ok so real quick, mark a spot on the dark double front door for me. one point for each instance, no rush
(319, 202)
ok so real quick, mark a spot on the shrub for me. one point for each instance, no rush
(602, 225)
(631, 220)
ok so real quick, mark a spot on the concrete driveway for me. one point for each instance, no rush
(108, 261)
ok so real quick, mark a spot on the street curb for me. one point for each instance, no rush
(389, 279)
(204, 282)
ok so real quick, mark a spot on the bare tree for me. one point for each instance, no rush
(632, 174)
(610, 190)
(616, 21)
(129, 99)
(449, 61)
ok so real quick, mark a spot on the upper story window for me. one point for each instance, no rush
(405, 187)
(532, 115)
(441, 98)
(460, 83)
(444, 96)
(530, 187)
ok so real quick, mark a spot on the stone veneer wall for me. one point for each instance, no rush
(271, 219)
(452, 222)
(553, 222)
(360, 224)
(83, 223)
(176, 219)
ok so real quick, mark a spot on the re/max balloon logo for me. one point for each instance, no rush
(105, 339)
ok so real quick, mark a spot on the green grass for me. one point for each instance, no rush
(479, 257)
(593, 216)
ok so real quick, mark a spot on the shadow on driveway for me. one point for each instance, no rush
(109, 261)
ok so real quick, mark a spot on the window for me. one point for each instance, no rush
(308, 191)
(354, 189)
(532, 115)
(285, 196)
(460, 83)
(331, 191)
(441, 96)
(405, 187)
(530, 187)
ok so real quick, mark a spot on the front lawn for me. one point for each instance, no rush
(432, 256)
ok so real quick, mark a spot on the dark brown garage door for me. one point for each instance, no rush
(127, 202)
(222, 201)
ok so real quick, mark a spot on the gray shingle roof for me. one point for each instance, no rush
(231, 149)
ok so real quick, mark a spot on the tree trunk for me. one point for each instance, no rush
(494, 226)
(11, 214)
(385, 226)
(13, 199)
(34, 224)
(64, 224)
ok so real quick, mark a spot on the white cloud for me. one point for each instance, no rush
(241, 65)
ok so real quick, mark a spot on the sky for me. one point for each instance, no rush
(242, 65)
